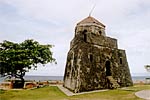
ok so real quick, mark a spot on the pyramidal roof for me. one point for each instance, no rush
(90, 20)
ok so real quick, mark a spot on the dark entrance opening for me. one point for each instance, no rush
(108, 68)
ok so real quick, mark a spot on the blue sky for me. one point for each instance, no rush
(53, 22)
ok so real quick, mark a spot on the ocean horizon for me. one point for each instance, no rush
(49, 78)
(43, 78)
(38, 78)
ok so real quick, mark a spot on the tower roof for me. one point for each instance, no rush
(90, 20)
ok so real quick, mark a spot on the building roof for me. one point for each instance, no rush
(90, 20)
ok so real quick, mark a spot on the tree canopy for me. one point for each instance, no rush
(18, 58)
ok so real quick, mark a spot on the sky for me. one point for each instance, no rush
(53, 22)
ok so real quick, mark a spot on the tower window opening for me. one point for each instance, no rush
(68, 74)
(91, 57)
(85, 37)
(100, 32)
(120, 60)
(84, 31)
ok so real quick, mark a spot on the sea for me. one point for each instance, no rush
(38, 78)
(49, 78)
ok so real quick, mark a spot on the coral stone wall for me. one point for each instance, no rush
(94, 60)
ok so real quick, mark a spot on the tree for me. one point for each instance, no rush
(18, 58)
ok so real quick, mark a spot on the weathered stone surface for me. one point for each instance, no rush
(94, 60)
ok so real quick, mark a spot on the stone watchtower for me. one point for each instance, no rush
(94, 60)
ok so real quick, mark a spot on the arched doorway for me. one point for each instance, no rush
(108, 68)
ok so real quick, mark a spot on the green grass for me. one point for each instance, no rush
(53, 93)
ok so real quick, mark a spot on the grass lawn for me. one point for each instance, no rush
(53, 93)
